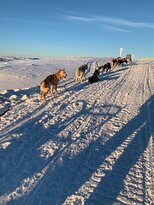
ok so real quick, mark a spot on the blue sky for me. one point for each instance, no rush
(77, 27)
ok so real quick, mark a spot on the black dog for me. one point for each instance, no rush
(107, 67)
(94, 78)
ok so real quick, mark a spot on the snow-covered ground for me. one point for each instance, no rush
(88, 144)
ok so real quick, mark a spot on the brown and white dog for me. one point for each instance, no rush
(51, 81)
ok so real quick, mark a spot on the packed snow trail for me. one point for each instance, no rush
(89, 144)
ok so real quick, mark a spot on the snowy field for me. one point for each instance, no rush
(89, 144)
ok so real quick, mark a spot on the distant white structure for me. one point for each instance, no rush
(121, 50)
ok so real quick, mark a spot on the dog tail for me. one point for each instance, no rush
(43, 88)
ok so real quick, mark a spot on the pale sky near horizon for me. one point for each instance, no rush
(77, 28)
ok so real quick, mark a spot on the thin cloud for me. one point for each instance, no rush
(123, 22)
(110, 20)
(118, 29)
(79, 18)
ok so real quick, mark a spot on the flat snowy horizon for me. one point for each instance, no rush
(88, 144)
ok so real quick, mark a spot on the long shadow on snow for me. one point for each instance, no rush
(106, 192)
(64, 174)
(25, 141)
(74, 172)
(113, 74)
(24, 118)
(35, 164)
(28, 159)
(113, 182)
(28, 129)
(23, 156)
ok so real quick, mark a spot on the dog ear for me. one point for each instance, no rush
(62, 69)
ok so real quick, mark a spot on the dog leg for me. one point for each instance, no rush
(44, 96)
(82, 77)
(55, 88)
(52, 90)
(44, 93)
(76, 78)
(41, 95)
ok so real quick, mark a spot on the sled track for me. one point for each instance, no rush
(86, 190)
(62, 151)
(30, 187)
(150, 113)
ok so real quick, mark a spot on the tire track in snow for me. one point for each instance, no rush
(22, 159)
(84, 120)
(59, 153)
(112, 96)
(149, 155)
(82, 190)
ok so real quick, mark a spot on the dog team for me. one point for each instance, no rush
(51, 82)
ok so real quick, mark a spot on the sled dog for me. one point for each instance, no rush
(80, 72)
(94, 78)
(51, 81)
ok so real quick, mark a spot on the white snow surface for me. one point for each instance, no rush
(88, 144)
